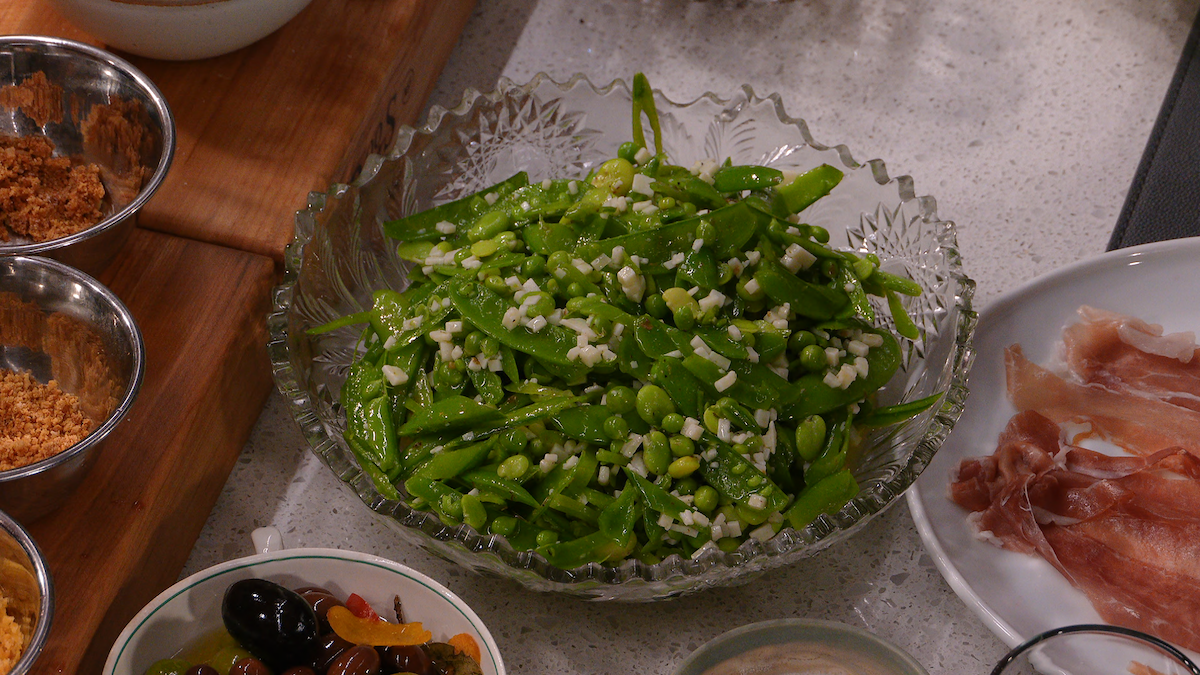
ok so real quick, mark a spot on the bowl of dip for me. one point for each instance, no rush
(799, 647)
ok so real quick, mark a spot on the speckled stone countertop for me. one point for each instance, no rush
(1025, 119)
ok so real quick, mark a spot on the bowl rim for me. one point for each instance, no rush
(590, 580)
(45, 582)
(788, 624)
(151, 186)
(138, 347)
(147, 612)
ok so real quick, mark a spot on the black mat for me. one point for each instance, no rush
(1164, 199)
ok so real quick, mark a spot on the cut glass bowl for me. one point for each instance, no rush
(562, 130)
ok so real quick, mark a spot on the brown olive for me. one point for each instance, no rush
(409, 659)
(202, 669)
(321, 601)
(329, 647)
(249, 666)
(358, 660)
(299, 670)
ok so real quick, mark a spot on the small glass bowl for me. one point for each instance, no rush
(556, 130)
(1095, 649)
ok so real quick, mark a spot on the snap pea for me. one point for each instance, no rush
(735, 478)
(807, 188)
(827, 496)
(423, 226)
(482, 479)
(738, 178)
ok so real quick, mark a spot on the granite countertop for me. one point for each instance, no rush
(1025, 119)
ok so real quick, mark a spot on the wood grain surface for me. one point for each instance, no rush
(261, 127)
(127, 531)
(258, 129)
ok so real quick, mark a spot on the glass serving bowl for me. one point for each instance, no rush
(560, 130)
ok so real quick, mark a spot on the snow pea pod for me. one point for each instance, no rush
(595, 547)
(618, 519)
(485, 310)
(737, 479)
(451, 463)
(585, 422)
(684, 389)
(807, 188)
(643, 103)
(805, 298)
(699, 268)
(658, 339)
(826, 496)
(719, 341)
(654, 498)
(895, 414)
(814, 396)
(756, 386)
(423, 226)
(484, 479)
(745, 177)
(449, 414)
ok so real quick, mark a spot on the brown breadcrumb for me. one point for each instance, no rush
(43, 197)
(36, 420)
(40, 99)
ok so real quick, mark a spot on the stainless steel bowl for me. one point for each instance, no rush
(89, 78)
(30, 590)
(58, 323)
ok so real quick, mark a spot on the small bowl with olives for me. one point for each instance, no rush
(305, 612)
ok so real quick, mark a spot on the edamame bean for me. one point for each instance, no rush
(656, 452)
(705, 499)
(653, 403)
(810, 437)
(682, 446)
(620, 399)
(473, 513)
(683, 466)
(503, 526)
(514, 467)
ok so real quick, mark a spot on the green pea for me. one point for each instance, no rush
(514, 467)
(533, 266)
(820, 234)
(575, 290)
(653, 404)
(664, 202)
(588, 251)
(673, 423)
(503, 526)
(168, 667)
(656, 452)
(463, 254)
(813, 359)
(685, 318)
(705, 499)
(746, 293)
(543, 304)
(489, 225)
(686, 486)
(473, 512)
(496, 284)
(706, 231)
(724, 273)
(616, 428)
(656, 306)
(547, 537)
(620, 399)
(471, 342)
(489, 347)
(752, 516)
(810, 437)
(628, 151)
(615, 175)
(801, 339)
(683, 466)
(682, 446)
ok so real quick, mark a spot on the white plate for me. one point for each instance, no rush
(1016, 595)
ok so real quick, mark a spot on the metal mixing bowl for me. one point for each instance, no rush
(88, 78)
(58, 323)
(27, 583)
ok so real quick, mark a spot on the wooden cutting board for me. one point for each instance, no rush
(260, 128)
(257, 130)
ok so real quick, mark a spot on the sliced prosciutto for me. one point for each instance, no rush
(1140, 424)
(1126, 354)
(1124, 530)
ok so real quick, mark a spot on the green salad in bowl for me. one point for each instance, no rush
(631, 374)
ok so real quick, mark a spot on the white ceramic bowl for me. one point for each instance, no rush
(192, 608)
(179, 30)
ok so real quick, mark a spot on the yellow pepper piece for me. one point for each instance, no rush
(375, 633)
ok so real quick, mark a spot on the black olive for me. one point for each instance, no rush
(271, 622)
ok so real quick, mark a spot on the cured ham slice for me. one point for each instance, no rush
(1126, 354)
(1124, 530)
(1140, 424)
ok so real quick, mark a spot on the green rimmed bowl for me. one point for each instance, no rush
(555, 130)
(191, 609)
